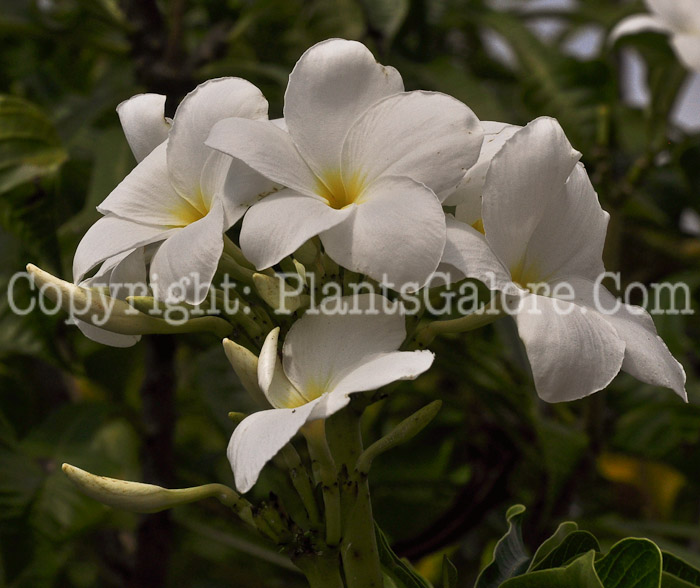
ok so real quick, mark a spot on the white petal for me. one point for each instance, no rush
(146, 196)
(646, 356)
(570, 237)
(429, 137)
(572, 355)
(125, 275)
(525, 175)
(688, 49)
(471, 186)
(184, 265)
(242, 188)
(128, 277)
(467, 250)
(110, 236)
(396, 234)
(384, 369)
(332, 84)
(105, 337)
(638, 23)
(144, 123)
(234, 184)
(273, 382)
(679, 15)
(321, 348)
(207, 104)
(267, 149)
(259, 437)
(280, 223)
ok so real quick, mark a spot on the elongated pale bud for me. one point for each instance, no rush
(301, 270)
(149, 305)
(279, 295)
(147, 498)
(483, 316)
(96, 307)
(405, 430)
(245, 364)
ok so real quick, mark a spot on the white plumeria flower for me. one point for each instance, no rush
(181, 194)
(678, 18)
(365, 166)
(325, 358)
(124, 275)
(541, 241)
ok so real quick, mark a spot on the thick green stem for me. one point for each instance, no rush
(320, 453)
(358, 548)
(482, 317)
(321, 570)
(302, 483)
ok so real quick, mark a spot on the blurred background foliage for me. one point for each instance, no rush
(623, 462)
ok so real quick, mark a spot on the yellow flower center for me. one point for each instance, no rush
(528, 277)
(479, 226)
(296, 397)
(187, 212)
(338, 193)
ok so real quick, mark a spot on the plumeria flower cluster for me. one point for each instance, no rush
(360, 181)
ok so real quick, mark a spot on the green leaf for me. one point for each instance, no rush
(449, 573)
(20, 481)
(575, 544)
(580, 573)
(396, 569)
(29, 145)
(562, 449)
(671, 581)
(555, 84)
(550, 544)
(631, 563)
(678, 571)
(509, 556)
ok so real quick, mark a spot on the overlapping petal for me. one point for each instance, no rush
(429, 137)
(184, 265)
(322, 348)
(467, 250)
(143, 120)
(384, 369)
(125, 274)
(526, 174)
(467, 197)
(276, 386)
(647, 357)
(234, 184)
(210, 102)
(279, 224)
(260, 436)
(569, 239)
(396, 234)
(572, 352)
(267, 149)
(146, 196)
(110, 236)
(332, 84)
